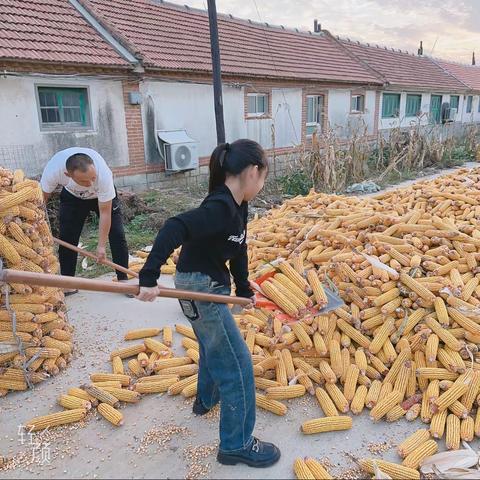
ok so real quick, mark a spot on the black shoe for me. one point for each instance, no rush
(198, 408)
(259, 455)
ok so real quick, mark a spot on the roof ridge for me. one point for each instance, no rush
(375, 45)
(102, 20)
(437, 59)
(229, 16)
(356, 58)
(448, 72)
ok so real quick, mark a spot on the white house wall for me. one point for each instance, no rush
(23, 144)
(287, 116)
(342, 120)
(474, 115)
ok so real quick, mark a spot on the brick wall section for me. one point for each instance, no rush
(134, 124)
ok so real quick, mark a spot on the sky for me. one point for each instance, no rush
(449, 28)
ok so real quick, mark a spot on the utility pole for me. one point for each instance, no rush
(217, 71)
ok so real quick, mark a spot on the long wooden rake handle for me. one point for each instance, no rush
(62, 281)
(86, 253)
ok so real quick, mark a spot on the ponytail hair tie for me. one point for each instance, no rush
(224, 154)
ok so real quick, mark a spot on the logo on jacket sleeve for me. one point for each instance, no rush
(237, 238)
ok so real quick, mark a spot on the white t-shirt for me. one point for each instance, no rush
(54, 174)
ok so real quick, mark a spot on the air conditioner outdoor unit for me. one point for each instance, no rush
(452, 114)
(178, 150)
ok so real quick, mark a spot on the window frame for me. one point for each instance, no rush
(419, 110)
(320, 112)
(469, 104)
(267, 104)
(85, 110)
(391, 94)
(357, 95)
(458, 101)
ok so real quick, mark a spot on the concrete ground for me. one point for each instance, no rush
(160, 437)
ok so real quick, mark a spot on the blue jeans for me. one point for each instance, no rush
(225, 367)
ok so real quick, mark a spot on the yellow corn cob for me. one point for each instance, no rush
(361, 360)
(156, 378)
(304, 379)
(385, 404)
(264, 383)
(250, 339)
(280, 369)
(185, 331)
(70, 402)
(417, 287)
(135, 368)
(189, 390)
(162, 364)
(283, 393)
(302, 472)
(392, 469)
(346, 362)
(293, 275)
(411, 443)
(271, 405)
(318, 471)
(188, 343)
(326, 424)
(82, 394)
(443, 334)
(338, 398)
(302, 335)
(467, 429)
(181, 370)
(326, 403)
(109, 383)
(381, 336)
(123, 394)
(437, 424)
(8, 252)
(193, 354)
(403, 356)
(64, 347)
(18, 234)
(317, 288)
(55, 419)
(464, 321)
(395, 413)
(386, 297)
(177, 387)
(327, 372)
(278, 298)
(142, 333)
(402, 379)
(441, 311)
(477, 423)
(292, 288)
(431, 348)
(287, 361)
(114, 377)
(111, 414)
(351, 379)
(449, 396)
(414, 459)
(335, 357)
(436, 373)
(452, 440)
(156, 346)
(127, 352)
(167, 336)
(358, 401)
(373, 394)
(155, 387)
(14, 199)
(354, 334)
(100, 394)
(143, 359)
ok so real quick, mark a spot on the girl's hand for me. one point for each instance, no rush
(253, 302)
(148, 294)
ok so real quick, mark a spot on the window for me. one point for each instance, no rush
(63, 107)
(469, 103)
(414, 105)
(357, 104)
(314, 113)
(454, 101)
(391, 105)
(257, 104)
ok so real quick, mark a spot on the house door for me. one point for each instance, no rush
(436, 108)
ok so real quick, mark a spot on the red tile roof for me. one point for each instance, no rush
(468, 74)
(405, 70)
(177, 38)
(51, 31)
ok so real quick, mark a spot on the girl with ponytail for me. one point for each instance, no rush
(212, 235)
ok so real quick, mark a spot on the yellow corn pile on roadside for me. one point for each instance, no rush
(26, 244)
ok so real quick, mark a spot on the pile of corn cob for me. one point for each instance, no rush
(150, 368)
(140, 256)
(42, 345)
